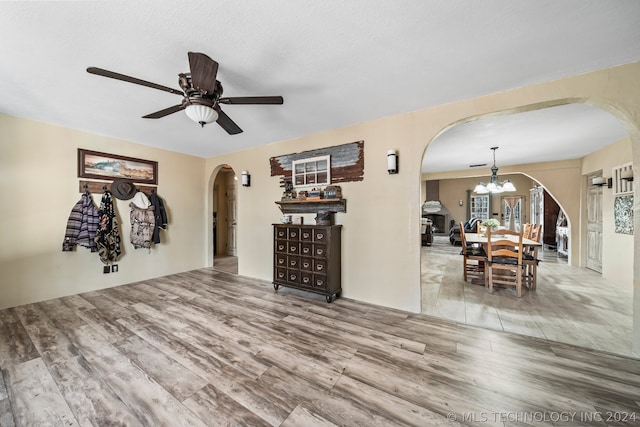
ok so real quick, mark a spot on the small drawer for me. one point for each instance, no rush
(306, 279)
(306, 264)
(320, 235)
(281, 233)
(294, 234)
(294, 262)
(320, 281)
(293, 248)
(281, 275)
(293, 276)
(319, 250)
(281, 246)
(306, 249)
(281, 260)
(306, 234)
(319, 266)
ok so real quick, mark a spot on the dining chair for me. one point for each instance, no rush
(526, 230)
(472, 253)
(504, 259)
(530, 258)
(536, 231)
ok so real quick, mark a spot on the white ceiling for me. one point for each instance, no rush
(335, 62)
(556, 133)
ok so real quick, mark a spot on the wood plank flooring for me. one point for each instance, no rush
(226, 263)
(209, 348)
(571, 305)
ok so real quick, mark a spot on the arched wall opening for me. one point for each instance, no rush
(221, 215)
(564, 191)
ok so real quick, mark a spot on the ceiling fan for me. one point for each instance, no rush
(201, 92)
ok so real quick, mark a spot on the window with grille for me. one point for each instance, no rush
(314, 171)
(480, 207)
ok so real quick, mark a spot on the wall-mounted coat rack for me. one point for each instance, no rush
(97, 187)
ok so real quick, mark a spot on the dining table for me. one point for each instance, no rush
(481, 239)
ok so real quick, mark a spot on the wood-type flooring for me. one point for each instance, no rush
(209, 348)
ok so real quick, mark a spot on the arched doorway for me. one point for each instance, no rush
(224, 220)
(480, 308)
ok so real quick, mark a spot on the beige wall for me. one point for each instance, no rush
(617, 249)
(38, 188)
(381, 244)
(453, 190)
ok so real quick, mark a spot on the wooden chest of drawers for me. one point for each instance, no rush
(307, 257)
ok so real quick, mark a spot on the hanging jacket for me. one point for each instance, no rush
(108, 235)
(160, 215)
(82, 225)
(142, 221)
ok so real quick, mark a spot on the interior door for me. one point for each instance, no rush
(231, 220)
(512, 212)
(594, 226)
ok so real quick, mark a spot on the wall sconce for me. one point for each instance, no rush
(598, 180)
(392, 162)
(460, 202)
(627, 175)
(246, 179)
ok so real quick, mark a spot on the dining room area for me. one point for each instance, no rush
(557, 301)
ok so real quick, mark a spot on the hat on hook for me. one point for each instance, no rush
(123, 189)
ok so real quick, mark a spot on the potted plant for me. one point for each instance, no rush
(492, 223)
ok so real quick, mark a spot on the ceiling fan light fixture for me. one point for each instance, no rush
(202, 114)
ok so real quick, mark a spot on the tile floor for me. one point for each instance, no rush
(570, 305)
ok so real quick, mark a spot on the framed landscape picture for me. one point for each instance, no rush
(93, 164)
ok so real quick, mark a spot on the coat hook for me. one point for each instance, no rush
(104, 187)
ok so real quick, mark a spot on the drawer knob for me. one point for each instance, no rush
(305, 280)
(293, 262)
(319, 283)
(320, 251)
(293, 277)
(319, 267)
(305, 250)
(305, 235)
(280, 261)
(281, 275)
(305, 264)
(320, 236)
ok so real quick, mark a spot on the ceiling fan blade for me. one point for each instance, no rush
(165, 112)
(226, 123)
(252, 100)
(203, 72)
(118, 76)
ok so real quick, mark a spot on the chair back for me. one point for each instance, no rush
(463, 239)
(536, 232)
(526, 230)
(504, 247)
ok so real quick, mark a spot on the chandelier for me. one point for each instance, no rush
(494, 186)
